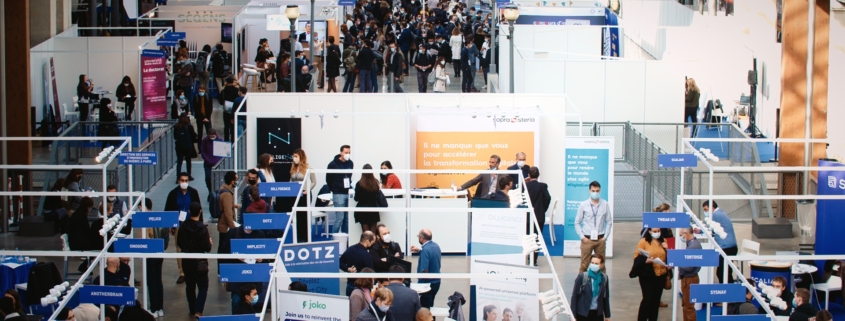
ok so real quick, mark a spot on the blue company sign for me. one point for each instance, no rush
(314, 257)
(689, 258)
(665, 220)
(269, 221)
(152, 53)
(347, 2)
(747, 317)
(242, 317)
(155, 219)
(104, 294)
(281, 189)
(175, 35)
(707, 293)
(676, 160)
(137, 158)
(245, 272)
(161, 42)
(139, 246)
(255, 246)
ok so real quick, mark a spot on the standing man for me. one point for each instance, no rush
(593, 223)
(318, 60)
(251, 180)
(519, 165)
(227, 211)
(541, 199)
(356, 258)
(423, 64)
(384, 250)
(339, 185)
(304, 37)
(689, 275)
(194, 238)
(487, 181)
(406, 38)
(406, 302)
(466, 69)
(365, 66)
(473, 60)
(394, 69)
(186, 78)
(179, 200)
(728, 244)
(429, 263)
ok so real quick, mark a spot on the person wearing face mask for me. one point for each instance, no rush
(592, 223)
(297, 174)
(689, 275)
(486, 182)
(780, 284)
(154, 266)
(339, 185)
(227, 207)
(365, 66)
(356, 258)
(394, 70)
(108, 123)
(265, 168)
(179, 200)
(248, 298)
(125, 93)
(185, 137)
(652, 275)
(119, 204)
(389, 180)
(430, 262)
(303, 82)
(728, 244)
(180, 105)
(207, 153)
(368, 194)
(203, 108)
(379, 308)
(384, 250)
(804, 309)
(423, 63)
(234, 288)
(186, 75)
(590, 299)
(246, 199)
(441, 77)
(519, 164)
(406, 39)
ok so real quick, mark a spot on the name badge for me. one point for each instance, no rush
(594, 235)
(182, 216)
(346, 183)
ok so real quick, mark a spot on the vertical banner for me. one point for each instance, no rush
(514, 296)
(154, 84)
(466, 142)
(57, 111)
(610, 36)
(303, 306)
(278, 137)
(496, 236)
(587, 159)
(828, 212)
(312, 257)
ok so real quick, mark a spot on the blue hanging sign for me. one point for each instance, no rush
(707, 293)
(280, 189)
(314, 257)
(746, 317)
(245, 272)
(104, 294)
(665, 220)
(242, 317)
(153, 53)
(347, 3)
(175, 35)
(692, 258)
(161, 42)
(269, 221)
(155, 219)
(676, 160)
(137, 158)
(139, 246)
(254, 246)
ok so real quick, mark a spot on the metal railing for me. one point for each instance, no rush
(145, 177)
(227, 164)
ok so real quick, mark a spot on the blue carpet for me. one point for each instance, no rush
(557, 249)
(721, 150)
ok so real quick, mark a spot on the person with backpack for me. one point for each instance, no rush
(194, 238)
(591, 293)
(201, 64)
(185, 77)
(227, 205)
(207, 153)
(154, 266)
(350, 57)
(423, 64)
(219, 64)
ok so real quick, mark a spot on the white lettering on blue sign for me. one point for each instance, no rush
(267, 220)
(109, 294)
(255, 246)
(694, 257)
(246, 272)
(279, 189)
(665, 219)
(718, 292)
(155, 219)
(137, 246)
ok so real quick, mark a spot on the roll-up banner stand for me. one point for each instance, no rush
(515, 294)
(312, 257)
(829, 218)
(587, 159)
(305, 306)
(153, 84)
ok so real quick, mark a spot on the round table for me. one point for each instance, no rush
(420, 287)
(802, 268)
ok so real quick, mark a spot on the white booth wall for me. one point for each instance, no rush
(200, 23)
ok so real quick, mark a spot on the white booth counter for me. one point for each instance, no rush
(449, 229)
(395, 221)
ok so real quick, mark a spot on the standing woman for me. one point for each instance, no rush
(179, 105)
(691, 98)
(389, 180)
(652, 276)
(185, 137)
(361, 296)
(83, 91)
(297, 174)
(368, 194)
(126, 94)
(456, 42)
(73, 184)
(440, 75)
(591, 293)
(332, 64)
(265, 175)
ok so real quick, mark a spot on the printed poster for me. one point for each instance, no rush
(154, 84)
(304, 306)
(587, 159)
(312, 257)
(508, 298)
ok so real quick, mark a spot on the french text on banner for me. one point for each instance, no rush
(255, 246)
(245, 272)
(280, 189)
(137, 158)
(708, 293)
(314, 257)
(139, 246)
(270, 221)
(692, 258)
(665, 220)
(105, 294)
(676, 160)
(155, 219)
(747, 317)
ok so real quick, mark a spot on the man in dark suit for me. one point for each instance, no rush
(406, 38)
(486, 182)
(519, 165)
(365, 66)
(466, 69)
(305, 36)
(540, 199)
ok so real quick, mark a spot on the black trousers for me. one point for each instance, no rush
(691, 112)
(652, 289)
(594, 315)
(302, 221)
(541, 220)
(228, 127)
(729, 251)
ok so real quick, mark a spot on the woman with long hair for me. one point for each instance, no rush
(389, 180)
(666, 233)
(265, 175)
(367, 194)
(126, 94)
(457, 43)
(691, 97)
(652, 276)
(185, 137)
(73, 183)
(440, 75)
(333, 64)
(361, 295)
(297, 174)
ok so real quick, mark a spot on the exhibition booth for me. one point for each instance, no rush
(202, 24)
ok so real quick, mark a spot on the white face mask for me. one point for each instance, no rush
(520, 163)
(443, 62)
(183, 185)
(112, 198)
(386, 238)
(655, 235)
(347, 156)
(296, 160)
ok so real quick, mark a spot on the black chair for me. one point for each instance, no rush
(43, 276)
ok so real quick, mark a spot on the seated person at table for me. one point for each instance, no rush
(747, 307)
(503, 186)
(780, 283)
(804, 309)
(248, 298)
(125, 93)
(389, 180)
(112, 274)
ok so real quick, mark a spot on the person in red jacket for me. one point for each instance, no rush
(258, 205)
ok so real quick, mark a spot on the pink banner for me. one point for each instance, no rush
(154, 84)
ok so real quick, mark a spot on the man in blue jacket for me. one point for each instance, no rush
(339, 185)
(728, 244)
(430, 261)
(466, 69)
(406, 38)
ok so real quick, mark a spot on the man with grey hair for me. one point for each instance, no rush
(486, 182)
(429, 262)
(519, 164)
(688, 275)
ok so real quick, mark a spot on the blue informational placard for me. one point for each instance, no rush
(155, 219)
(269, 221)
(280, 189)
(314, 257)
(708, 293)
(167, 42)
(690, 258)
(746, 317)
(104, 294)
(242, 317)
(676, 160)
(829, 220)
(665, 220)
(137, 158)
(254, 246)
(139, 246)
(502, 2)
(346, 2)
(245, 272)
(175, 35)
(153, 53)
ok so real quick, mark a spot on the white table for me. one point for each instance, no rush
(449, 229)
(420, 287)
(802, 268)
(439, 312)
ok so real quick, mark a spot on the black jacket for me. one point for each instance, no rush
(193, 237)
(239, 234)
(378, 251)
(394, 64)
(244, 308)
(335, 181)
(803, 312)
(303, 83)
(122, 91)
(365, 59)
(424, 60)
(515, 177)
(171, 205)
(80, 236)
(540, 198)
(209, 107)
(333, 61)
(185, 138)
(582, 296)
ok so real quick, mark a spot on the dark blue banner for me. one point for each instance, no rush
(153, 53)
(167, 42)
(676, 160)
(747, 317)
(245, 272)
(665, 220)
(691, 258)
(175, 35)
(155, 219)
(269, 221)
(242, 317)
(255, 246)
(708, 293)
(610, 36)
(314, 257)
(560, 20)
(139, 246)
(104, 294)
(829, 218)
(347, 3)
(137, 158)
(281, 189)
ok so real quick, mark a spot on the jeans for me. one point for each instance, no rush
(228, 127)
(194, 280)
(154, 284)
(179, 158)
(422, 81)
(374, 76)
(207, 168)
(405, 53)
(396, 86)
(341, 224)
(349, 288)
(349, 85)
(486, 70)
(427, 299)
(466, 81)
(366, 84)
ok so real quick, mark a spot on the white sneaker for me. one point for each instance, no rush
(160, 313)
(484, 87)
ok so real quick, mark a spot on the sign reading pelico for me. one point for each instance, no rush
(154, 84)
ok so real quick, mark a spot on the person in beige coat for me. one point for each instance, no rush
(440, 75)
(227, 211)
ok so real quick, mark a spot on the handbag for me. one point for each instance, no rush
(202, 266)
(431, 78)
(668, 284)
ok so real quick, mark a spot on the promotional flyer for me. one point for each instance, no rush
(587, 159)
(154, 84)
(494, 236)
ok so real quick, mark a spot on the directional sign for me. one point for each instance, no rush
(746, 317)
(175, 35)
(155, 219)
(104, 294)
(281, 189)
(346, 2)
(665, 220)
(137, 158)
(706, 293)
(676, 160)
(270, 221)
(245, 272)
(167, 42)
(242, 317)
(254, 246)
(139, 246)
(692, 258)
(153, 53)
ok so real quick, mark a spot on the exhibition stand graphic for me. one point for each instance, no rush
(587, 159)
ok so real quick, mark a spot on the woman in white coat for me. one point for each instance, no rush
(440, 75)
(457, 43)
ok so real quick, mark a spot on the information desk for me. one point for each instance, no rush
(395, 221)
(450, 229)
